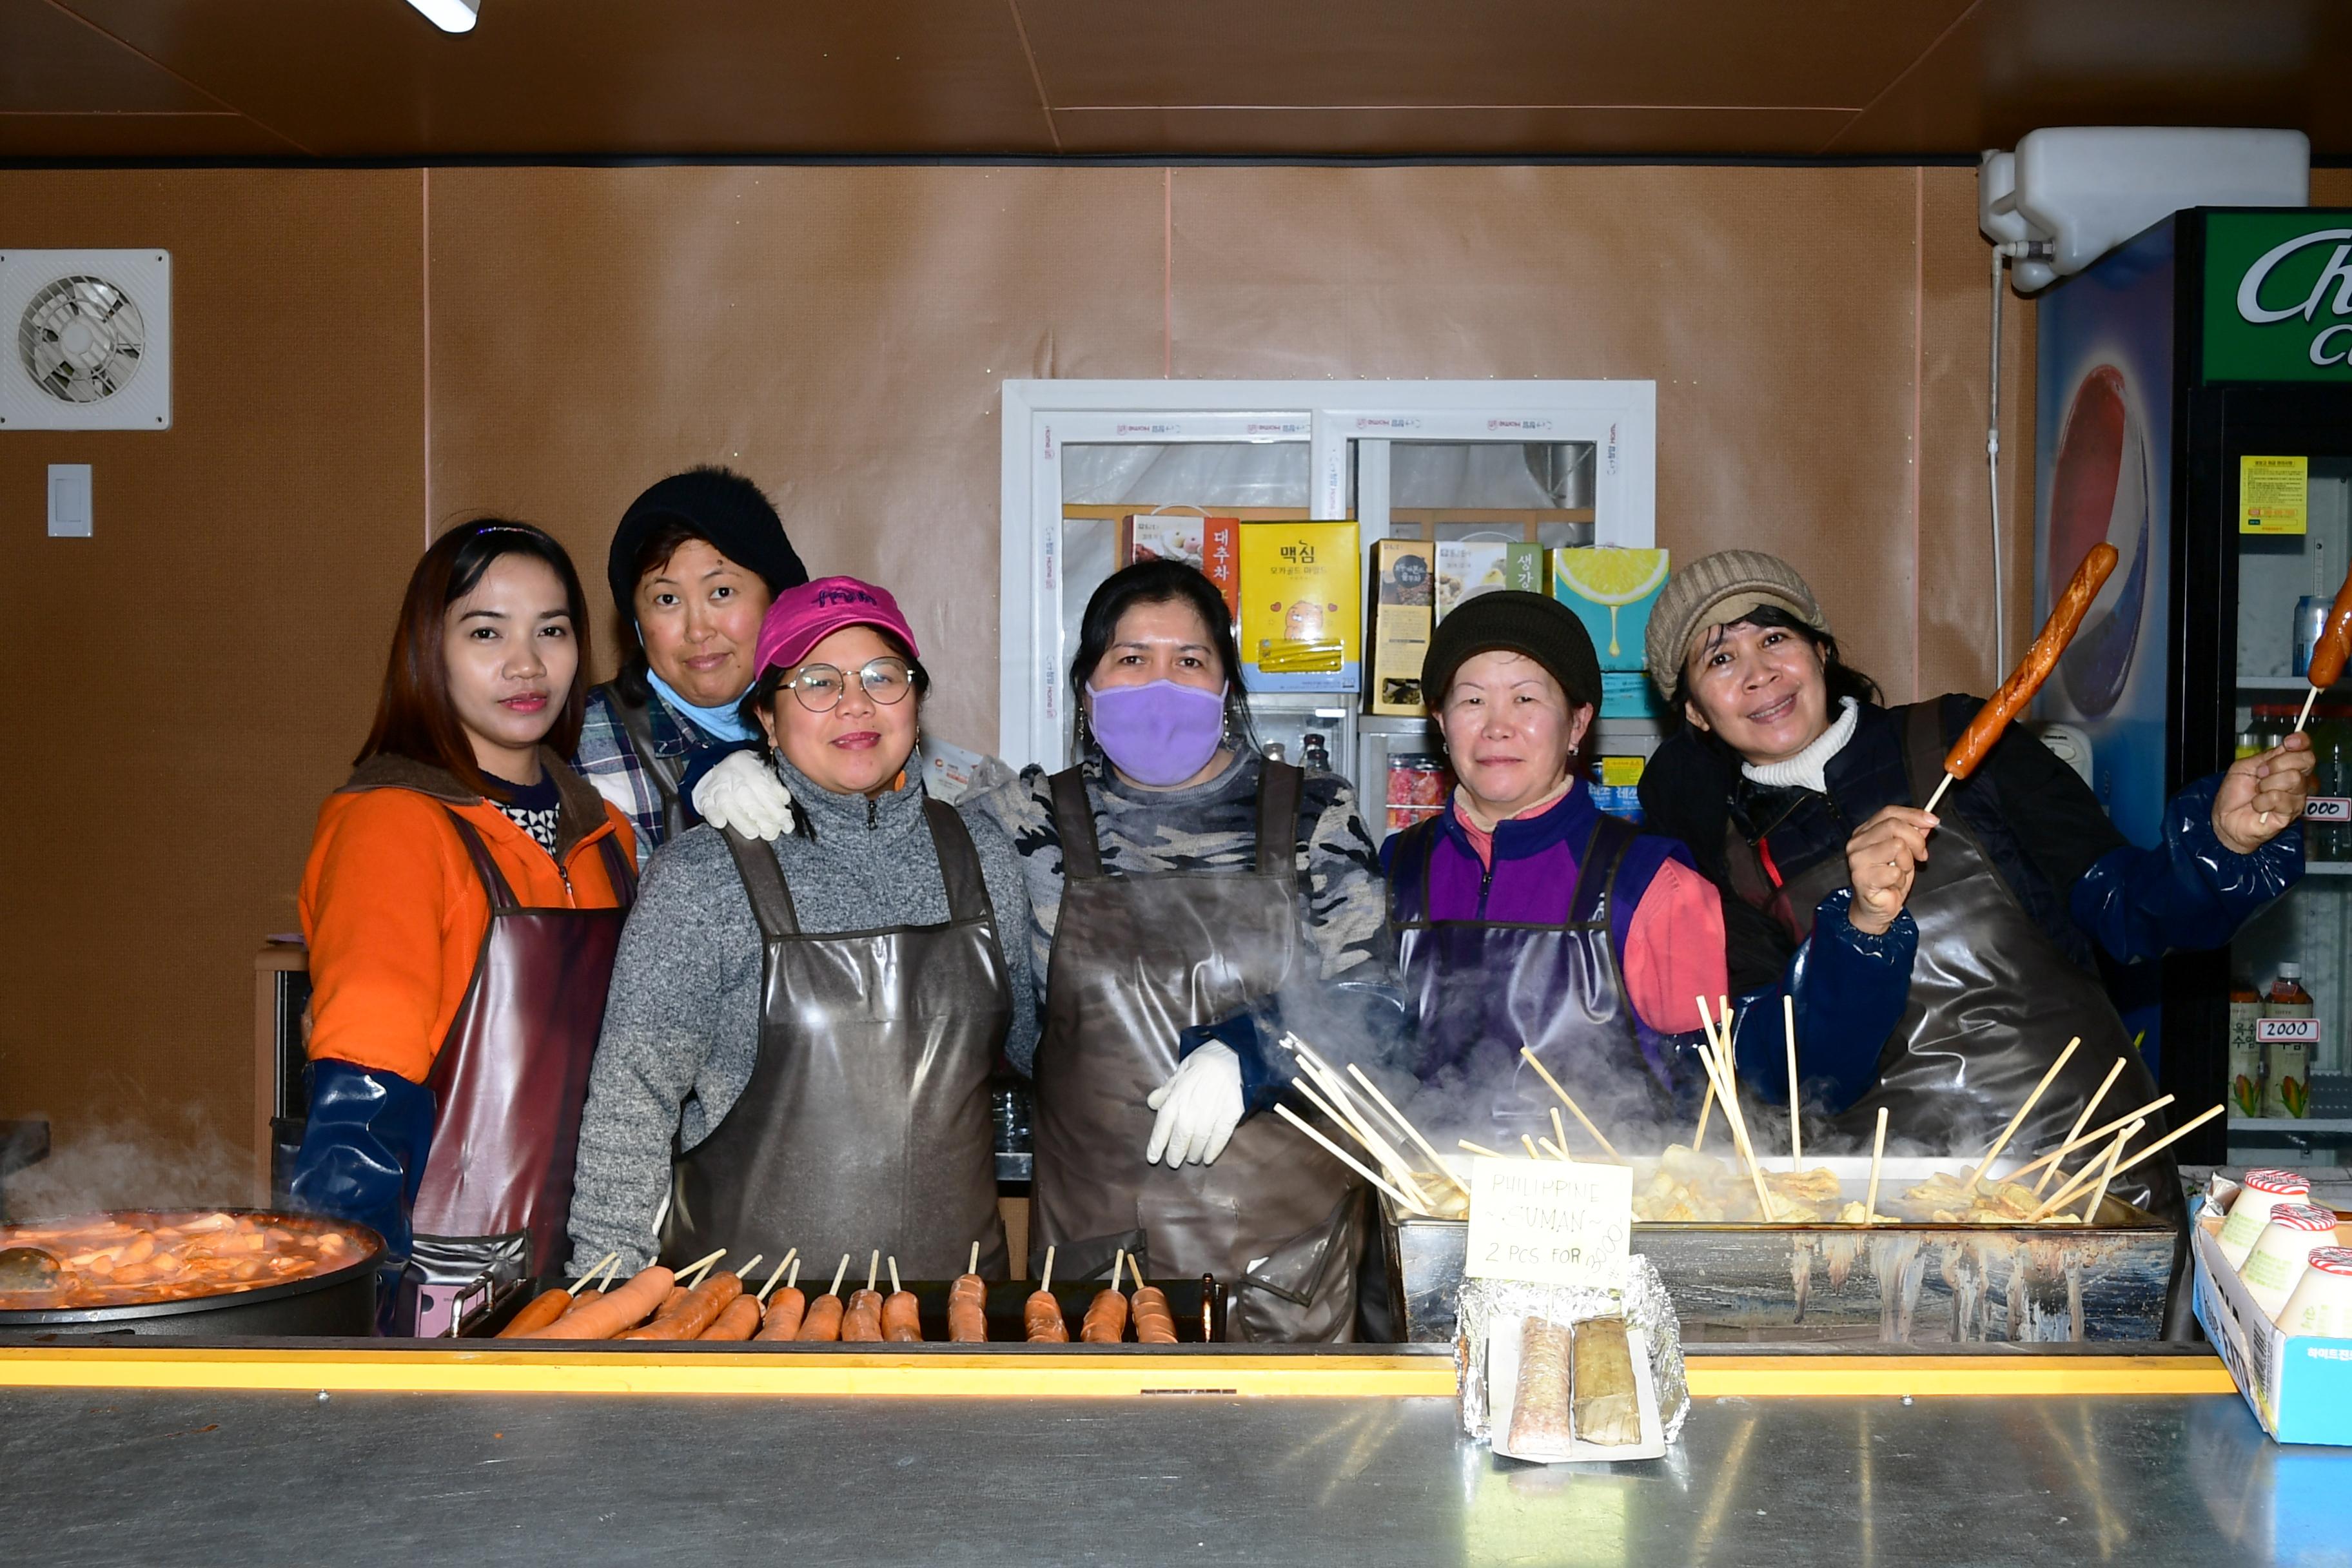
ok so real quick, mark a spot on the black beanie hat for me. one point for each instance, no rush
(724, 508)
(1544, 629)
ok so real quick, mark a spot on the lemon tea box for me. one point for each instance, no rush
(1612, 591)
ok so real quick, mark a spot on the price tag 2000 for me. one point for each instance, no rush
(1551, 1222)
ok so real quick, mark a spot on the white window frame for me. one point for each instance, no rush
(1040, 417)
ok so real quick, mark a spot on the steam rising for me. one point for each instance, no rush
(176, 1159)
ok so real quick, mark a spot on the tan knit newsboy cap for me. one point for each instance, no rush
(1715, 591)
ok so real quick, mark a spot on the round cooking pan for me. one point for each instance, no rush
(340, 1301)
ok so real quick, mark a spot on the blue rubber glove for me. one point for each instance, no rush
(363, 1153)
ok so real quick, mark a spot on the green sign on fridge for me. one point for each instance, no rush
(2278, 295)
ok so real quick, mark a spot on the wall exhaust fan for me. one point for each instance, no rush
(86, 338)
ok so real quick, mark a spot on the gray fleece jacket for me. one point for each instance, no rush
(682, 1023)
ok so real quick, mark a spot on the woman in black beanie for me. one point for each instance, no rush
(694, 565)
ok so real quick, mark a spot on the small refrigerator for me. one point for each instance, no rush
(2195, 411)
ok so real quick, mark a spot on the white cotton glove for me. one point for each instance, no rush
(1198, 1106)
(743, 793)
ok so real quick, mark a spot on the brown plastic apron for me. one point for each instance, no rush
(512, 1074)
(1136, 959)
(1993, 1001)
(668, 774)
(865, 1125)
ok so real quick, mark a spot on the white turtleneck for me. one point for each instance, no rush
(1808, 769)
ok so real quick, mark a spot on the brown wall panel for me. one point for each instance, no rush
(190, 681)
(838, 334)
(1773, 306)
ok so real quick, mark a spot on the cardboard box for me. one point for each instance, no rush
(1210, 543)
(1404, 586)
(2300, 1386)
(1469, 567)
(1301, 612)
(1610, 591)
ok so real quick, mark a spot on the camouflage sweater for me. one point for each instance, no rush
(1210, 827)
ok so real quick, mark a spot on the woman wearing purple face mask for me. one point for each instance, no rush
(1180, 882)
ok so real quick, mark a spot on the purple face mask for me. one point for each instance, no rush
(1159, 733)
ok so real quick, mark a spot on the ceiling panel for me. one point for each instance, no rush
(144, 134)
(1823, 54)
(51, 61)
(2013, 66)
(1483, 132)
(677, 77)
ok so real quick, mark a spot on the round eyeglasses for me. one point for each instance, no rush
(821, 686)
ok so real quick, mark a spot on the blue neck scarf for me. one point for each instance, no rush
(722, 722)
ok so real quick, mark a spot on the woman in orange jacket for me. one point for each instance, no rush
(463, 899)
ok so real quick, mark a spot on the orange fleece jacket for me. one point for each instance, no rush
(394, 913)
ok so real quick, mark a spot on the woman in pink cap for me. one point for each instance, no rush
(797, 1045)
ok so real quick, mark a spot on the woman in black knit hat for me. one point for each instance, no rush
(695, 564)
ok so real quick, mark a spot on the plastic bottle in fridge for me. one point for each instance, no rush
(2286, 1052)
(2329, 837)
(2245, 1049)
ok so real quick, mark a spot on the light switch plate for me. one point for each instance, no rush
(69, 501)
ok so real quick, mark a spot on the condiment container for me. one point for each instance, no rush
(2321, 1301)
(2275, 1267)
(2263, 1190)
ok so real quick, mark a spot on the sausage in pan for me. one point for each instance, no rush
(697, 1312)
(739, 1320)
(902, 1322)
(615, 1311)
(786, 1308)
(1042, 1317)
(968, 1310)
(823, 1320)
(1155, 1324)
(543, 1310)
(1106, 1321)
(861, 1325)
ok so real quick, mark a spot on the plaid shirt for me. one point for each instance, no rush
(607, 759)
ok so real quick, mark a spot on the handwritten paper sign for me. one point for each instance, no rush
(1551, 1222)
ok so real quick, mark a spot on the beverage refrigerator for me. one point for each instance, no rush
(2195, 411)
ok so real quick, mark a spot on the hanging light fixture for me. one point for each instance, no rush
(449, 15)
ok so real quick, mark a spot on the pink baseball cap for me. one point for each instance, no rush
(801, 617)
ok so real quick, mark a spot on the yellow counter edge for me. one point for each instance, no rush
(982, 1376)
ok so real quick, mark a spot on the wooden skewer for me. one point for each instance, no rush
(839, 1269)
(1552, 1149)
(1574, 1109)
(743, 1269)
(1480, 1148)
(1046, 1284)
(2115, 1152)
(762, 1297)
(1410, 1130)
(1378, 1148)
(1723, 1073)
(1738, 1132)
(1706, 1110)
(1558, 1131)
(2018, 1120)
(2093, 1136)
(873, 1266)
(661, 1214)
(793, 1280)
(2183, 1130)
(1877, 1155)
(973, 1266)
(2309, 698)
(1789, 1029)
(1533, 1152)
(695, 1269)
(607, 1261)
(2080, 1122)
(607, 1283)
(1116, 1264)
(1949, 780)
(894, 1274)
(1347, 1159)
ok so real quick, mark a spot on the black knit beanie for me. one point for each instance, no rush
(1544, 629)
(724, 508)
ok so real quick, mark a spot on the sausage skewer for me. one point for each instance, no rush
(739, 1320)
(1106, 1321)
(2006, 703)
(779, 1273)
(1155, 1322)
(967, 1305)
(785, 1312)
(901, 1321)
(618, 1310)
(2329, 653)
(1042, 1313)
(823, 1320)
(700, 1309)
(549, 1305)
(862, 1323)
